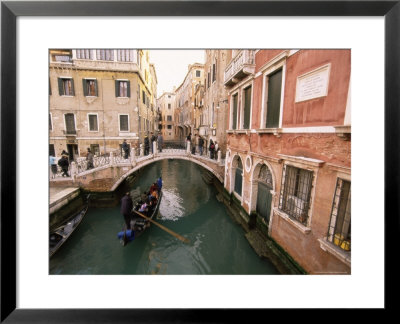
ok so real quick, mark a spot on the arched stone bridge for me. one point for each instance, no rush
(114, 170)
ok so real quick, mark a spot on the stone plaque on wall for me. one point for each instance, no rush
(313, 84)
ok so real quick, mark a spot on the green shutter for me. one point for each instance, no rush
(128, 88)
(247, 108)
(116, 88)
(264, 200)
(95, 87)
(84, 87)
(274, 99)
(60, 87)
(234, 116)
(72, 87)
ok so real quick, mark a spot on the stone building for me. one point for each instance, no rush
(289, 151)
(166, 107)
(215, 107)
(184, 99)
(98, 98)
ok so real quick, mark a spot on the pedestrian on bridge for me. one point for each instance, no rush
(153, 139)
(89, 159)
(201, 144)
(64, 164)
(53, 165)
(146, 145)
(160, 142)
(125, 148)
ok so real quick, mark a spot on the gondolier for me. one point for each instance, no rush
(126, 209)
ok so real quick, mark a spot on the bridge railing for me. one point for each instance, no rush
(136, 156)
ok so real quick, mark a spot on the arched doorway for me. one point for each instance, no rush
(263, 183)
(237, 175)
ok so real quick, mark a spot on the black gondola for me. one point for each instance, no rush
(62, 233)
(139, 224)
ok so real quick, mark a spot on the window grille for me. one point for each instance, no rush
(296, 193)
(339, 231)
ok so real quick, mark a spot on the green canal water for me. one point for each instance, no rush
(189, 207)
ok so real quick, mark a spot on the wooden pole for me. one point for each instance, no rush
(180, 237)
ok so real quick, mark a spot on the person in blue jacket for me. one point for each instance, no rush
(126, 209)
(159, 183)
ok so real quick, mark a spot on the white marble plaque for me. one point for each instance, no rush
(314, 84)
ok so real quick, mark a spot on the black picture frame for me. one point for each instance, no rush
(11, 10)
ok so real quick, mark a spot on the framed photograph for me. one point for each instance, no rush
(31, 28)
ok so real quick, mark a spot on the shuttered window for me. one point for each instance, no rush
(123, 123)
(93, 125)
(235, 109)
(247, 108)
(89, 87)
(66, 86)
(274, 99)
(122, 88)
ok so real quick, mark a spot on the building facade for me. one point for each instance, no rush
(288, 161)
(166, 107)
(98, 98)
(185, 100)
(215, 109)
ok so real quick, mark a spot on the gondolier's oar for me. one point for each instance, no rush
(183, 239)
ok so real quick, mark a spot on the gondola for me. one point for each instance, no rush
(138, 224)
(62, 233)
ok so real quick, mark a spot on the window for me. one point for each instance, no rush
(234, 110)
(122, 88)
(50, 123)
(296, 193)
(70, 124)
(273, 99)
(89, 87)
(247, 108)
(339, 231)
(198, 73)
(125, 55)
(85, 54)
(52, 152)
(105, 54)
(169, 106)
(169, 118)
(123, 123)
(93, 125)
(62, 58)
(208, 80)
(214, 77)
(169, 126)
(66, 86)
(95, 148)
(144, 97)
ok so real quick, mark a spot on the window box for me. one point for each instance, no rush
(342, 255)
(304, 229)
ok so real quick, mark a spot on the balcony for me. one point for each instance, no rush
(241, 66)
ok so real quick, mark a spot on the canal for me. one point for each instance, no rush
(189, 207)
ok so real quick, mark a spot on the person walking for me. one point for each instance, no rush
(153, 138)
(126, 209)
(211, 148)
(146, 145)
(125, 148)
(216, 150)
(188, 140)
(160, 142)
(89, 159)
(64, 164)
(53, 166)
(201, 144)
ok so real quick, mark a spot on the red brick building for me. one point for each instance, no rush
(289, 151)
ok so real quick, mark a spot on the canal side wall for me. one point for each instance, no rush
(256, 233)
